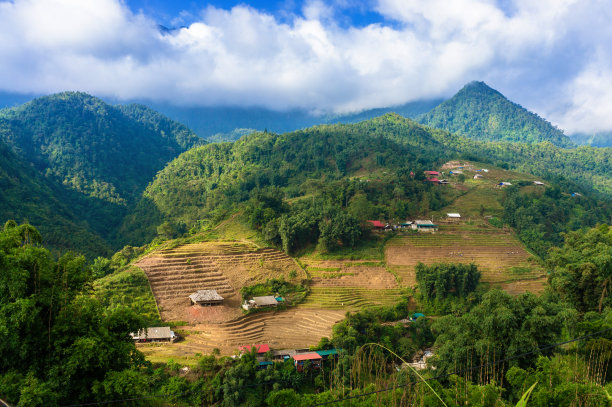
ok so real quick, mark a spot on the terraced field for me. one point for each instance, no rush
(349, 298)
(293, 328)
(498, 254)
(176, 273)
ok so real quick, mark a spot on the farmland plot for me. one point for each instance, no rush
(176, 273)
(500, 257)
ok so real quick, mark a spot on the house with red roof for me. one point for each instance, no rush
(260, 349)
(300, 359)
(377, 224)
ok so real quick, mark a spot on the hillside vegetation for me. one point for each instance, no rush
(482, 113)
(73, 165)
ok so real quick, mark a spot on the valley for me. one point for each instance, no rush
(378, 275)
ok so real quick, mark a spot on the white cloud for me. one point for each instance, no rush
(548, 55)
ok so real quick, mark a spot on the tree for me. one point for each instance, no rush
(581, 270)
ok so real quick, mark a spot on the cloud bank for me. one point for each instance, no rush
(552, 56)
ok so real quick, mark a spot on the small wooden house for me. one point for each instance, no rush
(206, 298)
(453, 216)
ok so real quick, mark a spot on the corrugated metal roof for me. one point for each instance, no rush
(266, 300)
(307, 356)
(162, 332)
(327, 352)
(260, 348)
(205, 295)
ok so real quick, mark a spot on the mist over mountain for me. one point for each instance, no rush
(220, 123)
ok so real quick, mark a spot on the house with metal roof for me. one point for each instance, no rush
(424, 226)
(300, 359)
(260, 349)
(268, 301)
(206, 297)
(377, 224)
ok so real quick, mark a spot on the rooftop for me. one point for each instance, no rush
(161, 332)
(307, 356)
(205, 295)
(260, 348)
(266, 300)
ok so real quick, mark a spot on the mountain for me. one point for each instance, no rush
(482, 113)
(100, 150)
(221, 123)
(27, 196)
(91, 158)
(206, 183)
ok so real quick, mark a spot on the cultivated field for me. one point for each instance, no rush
(499, 256)
(176, 273)
(349, 285)
(290, 329)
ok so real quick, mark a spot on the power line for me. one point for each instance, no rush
(554, 345)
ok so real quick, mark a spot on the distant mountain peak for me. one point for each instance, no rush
(480, 112)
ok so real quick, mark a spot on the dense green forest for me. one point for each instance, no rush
(482, 113)
(75, 165)
(62, 346)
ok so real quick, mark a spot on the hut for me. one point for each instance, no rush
(453, 216)
(155, 334)
(538, 183)
(478, 176)
(206, 297)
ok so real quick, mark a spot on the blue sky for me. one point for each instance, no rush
(552, 56)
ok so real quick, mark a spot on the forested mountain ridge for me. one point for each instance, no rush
(27, 196)
(482, 113)
(205, 183)
(99, 150)
(73, 165)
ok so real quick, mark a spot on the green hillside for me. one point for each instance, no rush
(298, 187)
(482, 113)
(73, 165)
(102, 151)
(27, 196)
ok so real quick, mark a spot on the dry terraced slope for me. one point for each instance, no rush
(176, 273)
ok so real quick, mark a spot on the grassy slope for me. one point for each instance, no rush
(128, 288)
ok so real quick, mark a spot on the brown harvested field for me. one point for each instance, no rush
(294, 328)
(499, 256)
(340, 273)
(176, 273)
